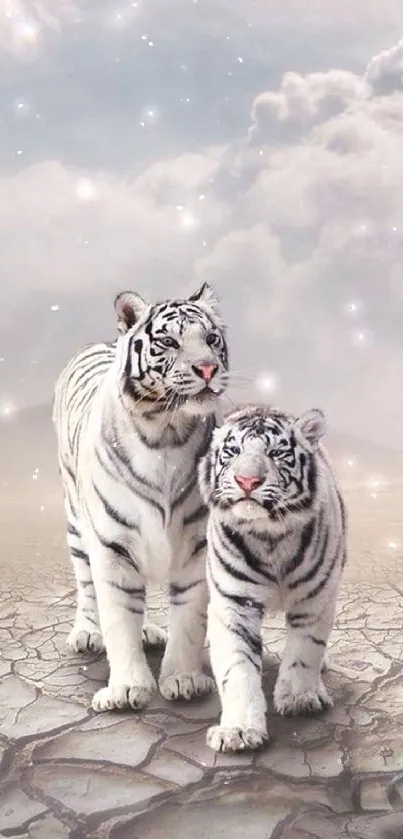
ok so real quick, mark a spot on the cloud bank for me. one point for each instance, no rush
(298, 223)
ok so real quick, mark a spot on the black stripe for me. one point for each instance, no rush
(238, 542)
(245, 602)
(118, 517)
(309, 575)
(79, 554)
(318, 641)
(231, 570)
(130, 590)
(300, 619)
(175, 590)
(323, 582)
(299, 556)
(197, 515)
(251, 639)
(72, 530)
(199, 546)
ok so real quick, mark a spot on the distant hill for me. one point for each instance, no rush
(28, 443)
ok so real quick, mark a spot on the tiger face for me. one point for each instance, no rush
(262, 464)
(173, 355)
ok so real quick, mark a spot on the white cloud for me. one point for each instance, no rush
(290, 233)
(385, 70)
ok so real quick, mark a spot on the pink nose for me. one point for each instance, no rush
(248, 484)
(205, 371)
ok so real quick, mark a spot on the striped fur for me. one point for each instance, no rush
(133, 419)
(276, 540)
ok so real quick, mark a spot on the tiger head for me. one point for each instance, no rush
(262, 464)
(172, 355)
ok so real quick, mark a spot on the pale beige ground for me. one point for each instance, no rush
(68, 773)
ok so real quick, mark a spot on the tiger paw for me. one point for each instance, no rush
(186, 685)
(235, 739)
(83, 640)
(154, 636)
(290, 699)
(120, 696)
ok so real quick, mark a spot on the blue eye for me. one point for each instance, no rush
(168, 342)
(213, 339)
(233, 450)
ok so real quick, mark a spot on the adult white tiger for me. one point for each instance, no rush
(276, 539)
(133, 419)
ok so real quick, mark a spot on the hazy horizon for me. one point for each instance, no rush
(156, 146)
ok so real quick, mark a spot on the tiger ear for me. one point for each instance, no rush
(206, 297)
(310, 427)
(129, 307)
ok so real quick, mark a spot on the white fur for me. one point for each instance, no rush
(119, 540)
(240, 591)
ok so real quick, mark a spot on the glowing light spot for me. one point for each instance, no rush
(240, 59)
(27, 31)
(187, 219)
(55, 307)
(361, 338)
(267, 382)
(8, 409)
(353, 307)
(21, 108)
(351, 462)
(86, 191)
(394, 546)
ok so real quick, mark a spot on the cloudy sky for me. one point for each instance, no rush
(158, 143)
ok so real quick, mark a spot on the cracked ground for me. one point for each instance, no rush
(67, 772)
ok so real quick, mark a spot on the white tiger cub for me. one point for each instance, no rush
(276, 539)
(133, 419)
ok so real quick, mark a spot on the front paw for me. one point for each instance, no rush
(83, 640)
(119, 696)
(153, 635)
(294, 699)
(186, 685)
(235, 739)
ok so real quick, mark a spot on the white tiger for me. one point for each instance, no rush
(276, 539)
(133, 419)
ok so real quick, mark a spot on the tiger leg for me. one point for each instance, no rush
(85, 634)
(121, 600)
(299, 688)
(236, 657)
(182, 673)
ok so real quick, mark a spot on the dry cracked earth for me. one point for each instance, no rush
(66, 772)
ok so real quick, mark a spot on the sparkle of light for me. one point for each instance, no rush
(353, 307)
(21, 108)
(8, 409)
(86, 191)
(394, 546)
(187, 219)
(27, 31)
(267, 382)
(55, 307)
